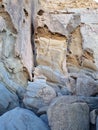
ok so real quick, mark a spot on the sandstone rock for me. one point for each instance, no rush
(23, 30)
(73, 69)
(86, 86)
(74, 116)
(38, 94)
(63, 24)
(8, 100)
(51, 41)
(67, 22)
(88, 16)
(21, 119)
(60, 5)
(50, 74)
(48, 47)
(74, 47)
(89, 37)
(15, 42)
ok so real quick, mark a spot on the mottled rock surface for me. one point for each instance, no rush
(86, 86)
(54, 5)
(38, 94)
(21, 119)
(74, 116)
(16, 59)
(67, 37)
(8, 100)
(53, 46)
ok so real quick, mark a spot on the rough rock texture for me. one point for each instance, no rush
(49, 74)
(66, 38)
(21, 119)
(38, 94)
(54, 5)
(93, 116)
(16, 59)
(91, 101)
(74, 116)
(58, 40)
(86, 86)
(8, 100)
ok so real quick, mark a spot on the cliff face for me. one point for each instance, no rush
(66, 35)
(48, 64)
(16, 60)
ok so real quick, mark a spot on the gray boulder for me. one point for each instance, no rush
(70, 116)
(21, 119)
(86, 86)
(91, 101)
(8, 100)
(38, 94)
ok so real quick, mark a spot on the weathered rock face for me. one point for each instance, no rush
(67, 38)
(69, 116)
(16, 59)
(64, 48)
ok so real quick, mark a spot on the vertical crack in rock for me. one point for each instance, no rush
(33, 45)
(20, 11)
(16, 57)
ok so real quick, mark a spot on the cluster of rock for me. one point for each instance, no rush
(63, 94)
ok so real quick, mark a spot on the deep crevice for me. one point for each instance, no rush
(33, 45)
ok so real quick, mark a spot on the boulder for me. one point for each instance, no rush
(21, 119)
(8, 100)
(86, 86)
(91, 101)
(71, 116)
(38, 94)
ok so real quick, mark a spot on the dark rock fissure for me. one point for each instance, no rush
(33, 45)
